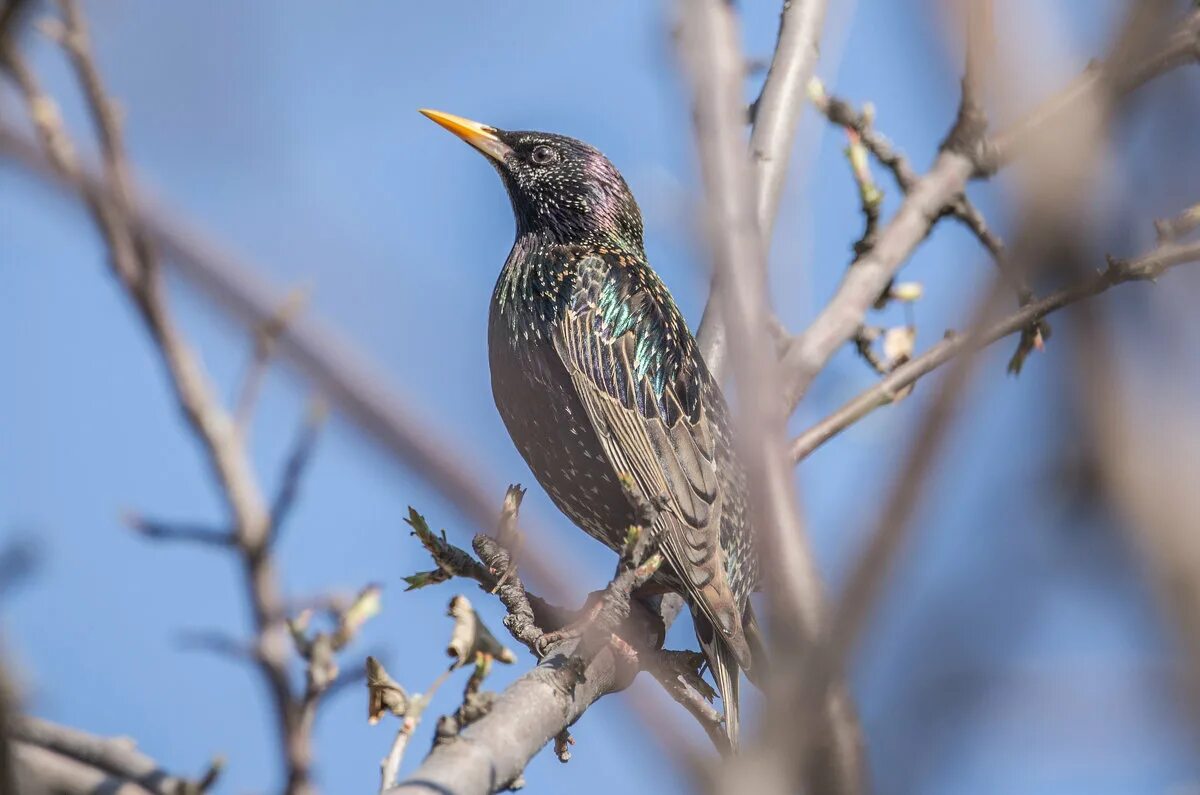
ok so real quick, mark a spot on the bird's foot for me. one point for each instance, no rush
(626, 654)
(574, 630)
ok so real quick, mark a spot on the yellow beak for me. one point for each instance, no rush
(480, 136)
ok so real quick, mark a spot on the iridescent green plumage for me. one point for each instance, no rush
(596, 375)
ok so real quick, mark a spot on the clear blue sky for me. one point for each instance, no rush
(288, 129)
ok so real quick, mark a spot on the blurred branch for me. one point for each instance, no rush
(159, 530)
(293, 470)
(1143, 445)
(10, 17)
(1145, 268)
(67, 761)
(266, 340)
(709, 48)
(775, 115)
(1171, 229)
(838, 321)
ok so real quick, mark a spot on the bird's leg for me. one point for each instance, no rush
(587, 614)
(643, 623)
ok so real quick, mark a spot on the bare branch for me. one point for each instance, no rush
(134, 262)
(776, 113)
(1146, 268)
(861, 286)
(160, 530)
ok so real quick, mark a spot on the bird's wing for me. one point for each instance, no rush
(622, 341)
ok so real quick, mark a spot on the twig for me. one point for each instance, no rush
(1145, 268)
(293, 470)
(870, 197)
(134, 262)
(384, 694)
(862, 123)
(577, 667)
(677, 672)
(775, 115)
(266, 341)
(159, 530)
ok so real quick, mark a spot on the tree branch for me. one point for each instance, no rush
(134, 261)
(1145, 268)
(836, 324)
(709, 39)
(776, 113)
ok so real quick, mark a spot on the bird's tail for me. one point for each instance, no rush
(726, 668)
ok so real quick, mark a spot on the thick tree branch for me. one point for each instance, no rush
(492, 751)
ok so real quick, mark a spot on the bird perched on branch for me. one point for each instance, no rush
(599, 381)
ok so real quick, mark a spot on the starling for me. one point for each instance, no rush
(597, 376)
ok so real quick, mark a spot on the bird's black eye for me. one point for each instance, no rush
(542, 155)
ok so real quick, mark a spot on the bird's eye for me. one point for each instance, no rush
(542, 155)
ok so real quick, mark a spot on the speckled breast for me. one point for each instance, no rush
(549, 426)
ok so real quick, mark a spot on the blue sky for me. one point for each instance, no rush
(289, 131)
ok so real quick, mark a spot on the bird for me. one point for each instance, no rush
(603, 388)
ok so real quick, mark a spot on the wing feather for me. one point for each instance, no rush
(659, 437)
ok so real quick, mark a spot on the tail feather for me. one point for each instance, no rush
(726, 671)
(723, 663)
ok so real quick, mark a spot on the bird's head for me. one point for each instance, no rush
(561, 189)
